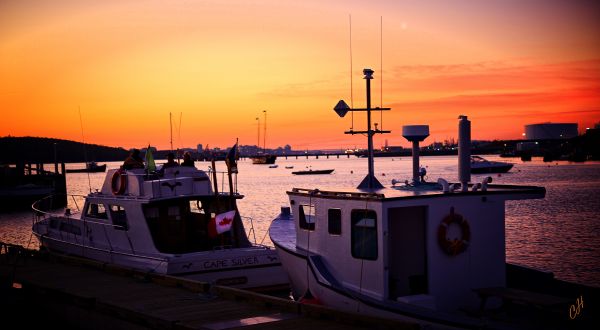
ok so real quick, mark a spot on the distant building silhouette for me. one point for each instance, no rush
(550, 131)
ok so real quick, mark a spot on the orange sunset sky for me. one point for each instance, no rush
(218, 64)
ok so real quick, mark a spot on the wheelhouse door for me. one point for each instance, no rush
(407, 261)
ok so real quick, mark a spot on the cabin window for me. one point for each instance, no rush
(96, 211)
(306, 213)
(70, 228)
(119, 217)
(334, 218)
(364, 234)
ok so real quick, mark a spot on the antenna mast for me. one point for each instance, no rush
(258, 134)
(351, 89)
(171, 128)
(381, 70)
(84, 150)
(265, 133)
(369, 182)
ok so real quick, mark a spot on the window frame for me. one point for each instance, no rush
(118, 222)
(307, 222)
(338, 219)
(98, 216)
(356, 216)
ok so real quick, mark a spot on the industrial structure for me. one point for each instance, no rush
(550, 131)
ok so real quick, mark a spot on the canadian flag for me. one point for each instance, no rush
(221, 223)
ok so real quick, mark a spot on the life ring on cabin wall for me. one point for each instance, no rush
(119, 182)
(455, 246)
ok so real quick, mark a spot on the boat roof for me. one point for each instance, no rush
(175, 182)
(426, 190)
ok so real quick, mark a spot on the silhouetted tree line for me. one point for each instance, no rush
(41, 150)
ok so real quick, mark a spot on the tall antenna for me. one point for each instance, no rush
(84, 150)
(171, 128)
(381, 70)
(179, 130)
(351, 89)
(258, 133)
(265, 133)
(179, 137)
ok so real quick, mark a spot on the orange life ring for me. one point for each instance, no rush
(119, 182)
(455, 246)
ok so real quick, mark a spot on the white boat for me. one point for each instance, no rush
(429, 253)
(174, 224)
(482, 165)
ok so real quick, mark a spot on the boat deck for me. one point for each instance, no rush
(401, 191)
(42, 290)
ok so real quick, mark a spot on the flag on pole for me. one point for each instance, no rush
(232, 157)
(150, 164)
(221, 223)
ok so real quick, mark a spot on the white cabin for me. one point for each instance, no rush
(163, 223)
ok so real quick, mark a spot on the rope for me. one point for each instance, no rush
(308, 240)
(362, 260)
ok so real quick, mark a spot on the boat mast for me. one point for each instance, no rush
(171, 128)
(258, 134)
(265, 133)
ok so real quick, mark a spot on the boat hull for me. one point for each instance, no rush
(492, 169)
(255, 268)
(262, 160)
(100, 168)
(304, 277)
(313, 172)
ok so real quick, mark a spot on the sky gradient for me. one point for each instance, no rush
(216, 65)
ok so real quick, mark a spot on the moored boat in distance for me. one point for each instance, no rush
(481, 165)
(263, 159)
(311, 172)
(91, 167)
(173, 223)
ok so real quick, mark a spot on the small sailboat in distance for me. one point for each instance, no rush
(262, 157)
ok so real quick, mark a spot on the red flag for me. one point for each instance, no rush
(221, 223)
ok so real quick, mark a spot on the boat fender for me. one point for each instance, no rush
(454, 186)
(476, 187)
(455, 246)
(485, 182)
(119, 182)
(444, 184)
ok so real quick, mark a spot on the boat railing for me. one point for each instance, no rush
(317, 192)
(251, 228)
(212, 175)
(223, 187)
(41, 212)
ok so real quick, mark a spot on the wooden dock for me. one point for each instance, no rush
(40, 289)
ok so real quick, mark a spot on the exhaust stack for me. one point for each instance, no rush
(464, 152)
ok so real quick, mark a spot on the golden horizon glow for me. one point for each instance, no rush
(218, 65)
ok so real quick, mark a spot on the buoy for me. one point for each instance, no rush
(308, 298)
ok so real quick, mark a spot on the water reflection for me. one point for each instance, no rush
(560, 233)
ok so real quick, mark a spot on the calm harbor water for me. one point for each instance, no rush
(560, 233)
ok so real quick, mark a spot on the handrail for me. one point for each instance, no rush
(251, 230)
(34, 205)
(337, 193)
